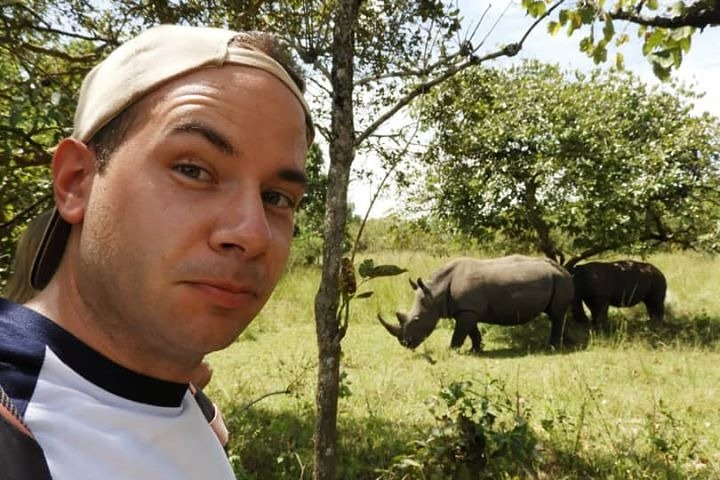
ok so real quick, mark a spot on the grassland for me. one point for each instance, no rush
(637, 403)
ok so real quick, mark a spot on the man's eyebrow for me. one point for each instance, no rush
(208, 133)
(294, 176)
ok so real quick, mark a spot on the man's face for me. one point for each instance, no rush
(188, 230)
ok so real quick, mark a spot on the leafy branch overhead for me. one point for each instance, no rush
(666, 29)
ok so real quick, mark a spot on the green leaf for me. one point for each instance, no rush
(366, 267)
(586, 45)
(660, 72)
(553, 28)
(685, 44)
(563, 17)
(363, 295)
(619, 61)
(599, 54)
(608, 28)
(384, 271)
(652, 4)
(676, 57)
(682, 32)
(664, 58)
(587, 14)
(656, 38)
(537, 9)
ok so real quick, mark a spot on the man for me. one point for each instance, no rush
(175, 198)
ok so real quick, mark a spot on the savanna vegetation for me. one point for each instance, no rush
(636, 403)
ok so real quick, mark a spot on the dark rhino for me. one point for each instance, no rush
(503, 291)
(621, 284)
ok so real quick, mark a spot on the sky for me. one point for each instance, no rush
(700, 68)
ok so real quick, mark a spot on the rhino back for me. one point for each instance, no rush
(621, 283)
(504, 291)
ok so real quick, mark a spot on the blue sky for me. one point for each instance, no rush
(700, 68)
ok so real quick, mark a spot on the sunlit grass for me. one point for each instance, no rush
(607, 408)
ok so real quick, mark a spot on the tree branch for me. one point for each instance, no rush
(698, 15)
(25, 46)
(508, 51)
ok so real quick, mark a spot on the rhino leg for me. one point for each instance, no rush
(476, 339)
(656, 311)
(655, 301)
(466, 326)
(600, 316)
(557, 327)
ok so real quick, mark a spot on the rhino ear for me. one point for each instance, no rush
(424, 287)
(412, 284)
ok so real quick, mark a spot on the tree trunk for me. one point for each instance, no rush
(342, 151)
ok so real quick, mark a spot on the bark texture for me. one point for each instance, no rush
(342, 152)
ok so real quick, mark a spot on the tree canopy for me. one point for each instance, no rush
(573, 164)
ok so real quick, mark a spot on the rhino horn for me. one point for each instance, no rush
(424, 287)
(402, 318)
(395, 330)
(412, 284)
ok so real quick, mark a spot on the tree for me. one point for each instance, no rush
(573, 165)
(666, 28)
(376, 58)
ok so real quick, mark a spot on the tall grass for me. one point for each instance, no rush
(637, 403)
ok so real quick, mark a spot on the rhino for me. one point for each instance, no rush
(509, 290)
(623, 283)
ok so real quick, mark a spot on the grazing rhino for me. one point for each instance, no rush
(503, 291)
(621, 284)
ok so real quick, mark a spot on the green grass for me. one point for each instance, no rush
(637, 403)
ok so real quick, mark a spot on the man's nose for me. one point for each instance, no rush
(243, 226)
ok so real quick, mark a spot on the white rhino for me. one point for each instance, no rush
(503, 291)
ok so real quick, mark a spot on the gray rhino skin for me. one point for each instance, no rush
(621, 284)
(504, 291)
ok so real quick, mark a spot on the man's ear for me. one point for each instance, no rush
(73, 170)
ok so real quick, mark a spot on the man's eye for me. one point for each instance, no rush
(278, 199)
(192, 171)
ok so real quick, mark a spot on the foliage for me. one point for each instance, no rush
(396, 232)
(309, 219)
(576, 165)
(476, 435)
(349, 285)
(665, 28)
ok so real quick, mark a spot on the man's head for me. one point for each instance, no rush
(107, 105)
(179, 185)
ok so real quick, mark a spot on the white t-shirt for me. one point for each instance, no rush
(95, 419)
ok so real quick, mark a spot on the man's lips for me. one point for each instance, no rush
(226, 294)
